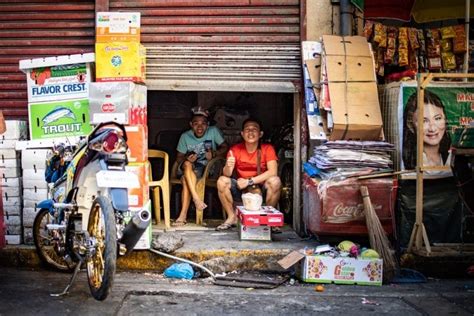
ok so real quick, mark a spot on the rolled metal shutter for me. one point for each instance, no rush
(32, 29)
(220, 45)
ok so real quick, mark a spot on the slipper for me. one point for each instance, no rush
(178, 223)
(276, 230)
(225, 226)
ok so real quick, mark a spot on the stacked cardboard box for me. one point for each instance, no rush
(120, 96)
(345, 85)
(11, 180)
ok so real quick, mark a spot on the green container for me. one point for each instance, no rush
(59, 119)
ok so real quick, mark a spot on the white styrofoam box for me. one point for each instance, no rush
(58, 77)
(28, 236)
(13, 239)
(8, 192)
(35, 194)
(117, 101)
(8, 153)
(8, 143)
(10, 172)
(12, 220)
(29, 215)
(34, 158)
(14, 229)
(11, 201)
(33, 174)
(9, 163)
(47, 143)
(15, 130)
(9, 182)
(12, 209)
(35, 184)
(30, 203)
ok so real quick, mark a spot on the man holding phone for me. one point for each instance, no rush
(195, 148)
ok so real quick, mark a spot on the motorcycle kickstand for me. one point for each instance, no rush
(66, 290)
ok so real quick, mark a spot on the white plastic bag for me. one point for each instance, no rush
(252, 201)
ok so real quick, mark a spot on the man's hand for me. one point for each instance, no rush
(230, 162)
(242, 183)
(192, 158)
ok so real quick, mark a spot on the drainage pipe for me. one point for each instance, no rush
(346, 17)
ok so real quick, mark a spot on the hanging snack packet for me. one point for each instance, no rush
(449, 61)
(403, 46)
(380, 36)
(413, 36)
(433, 43)
(368, 29)
(459, 42)
(447, 32)
(446, 45)
(391, 45)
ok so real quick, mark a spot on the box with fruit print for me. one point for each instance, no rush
(341, 270)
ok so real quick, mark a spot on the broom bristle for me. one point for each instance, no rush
(377, 236)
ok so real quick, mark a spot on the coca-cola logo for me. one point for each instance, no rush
(352, 210)
(108, 107)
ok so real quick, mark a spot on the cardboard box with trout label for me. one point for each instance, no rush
(59, 119)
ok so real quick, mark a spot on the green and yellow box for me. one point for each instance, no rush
(59, 119)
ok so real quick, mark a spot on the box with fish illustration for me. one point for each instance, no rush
(59, 119)
(58, 78)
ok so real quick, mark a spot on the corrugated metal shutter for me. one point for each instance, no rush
(220, 45)
(32, 29)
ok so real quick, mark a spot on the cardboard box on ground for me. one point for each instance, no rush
(318, 268)
(256, 225)
(352, 88)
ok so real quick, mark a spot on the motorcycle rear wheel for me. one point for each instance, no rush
(101, 265)
(46, 245)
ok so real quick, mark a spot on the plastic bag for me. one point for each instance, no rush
(179, 271)
(252, 201)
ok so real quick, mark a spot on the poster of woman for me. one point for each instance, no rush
(445, 107)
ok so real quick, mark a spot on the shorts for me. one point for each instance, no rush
(198, 169)
(237, 193)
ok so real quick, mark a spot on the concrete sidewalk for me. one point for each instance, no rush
(199, 245)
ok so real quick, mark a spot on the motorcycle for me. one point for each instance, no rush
(84, 221)
(283, 141)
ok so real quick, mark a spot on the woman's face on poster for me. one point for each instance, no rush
(434, 124)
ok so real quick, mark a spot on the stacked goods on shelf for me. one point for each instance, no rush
(35, 188)
(401, 51)
(11, 180)
(120, 96)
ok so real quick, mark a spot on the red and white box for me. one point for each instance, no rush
(267, 215)
(256, 225)
(137, 141)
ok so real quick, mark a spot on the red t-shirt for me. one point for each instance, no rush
(246, 163)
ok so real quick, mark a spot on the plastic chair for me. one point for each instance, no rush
(207, 179)
(162, 185)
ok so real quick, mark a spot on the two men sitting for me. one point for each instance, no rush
(253, 163)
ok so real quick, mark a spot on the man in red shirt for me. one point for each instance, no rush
(243, 158)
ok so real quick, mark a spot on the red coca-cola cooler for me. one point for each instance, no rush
(336, 207)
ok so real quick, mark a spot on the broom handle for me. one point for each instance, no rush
(385, 174)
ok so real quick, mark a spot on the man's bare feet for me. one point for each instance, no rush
(200, 205)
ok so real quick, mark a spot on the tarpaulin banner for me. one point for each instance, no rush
(447, 106)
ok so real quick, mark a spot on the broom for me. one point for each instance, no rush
(377, 237)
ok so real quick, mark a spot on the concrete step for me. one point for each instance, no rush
(225, 249)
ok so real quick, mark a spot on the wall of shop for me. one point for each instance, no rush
(32, 29)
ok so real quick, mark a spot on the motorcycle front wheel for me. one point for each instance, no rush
(103, 234)
(48, 246)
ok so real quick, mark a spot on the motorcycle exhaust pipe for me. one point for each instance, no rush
(135, 228)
